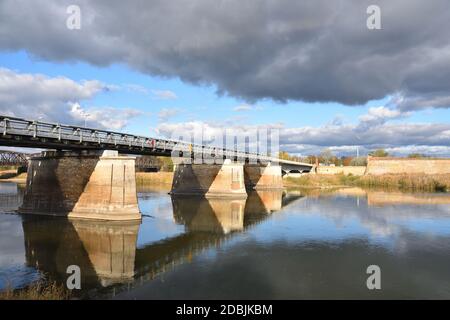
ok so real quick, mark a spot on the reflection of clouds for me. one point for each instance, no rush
(398, 214)
(12, 251)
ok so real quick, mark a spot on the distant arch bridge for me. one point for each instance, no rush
(13, 158)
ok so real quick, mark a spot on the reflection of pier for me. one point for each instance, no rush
(106, 251)
(209, 222)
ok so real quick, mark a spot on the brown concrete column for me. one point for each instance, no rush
(210, 180)
(263, 177)
(88, 185)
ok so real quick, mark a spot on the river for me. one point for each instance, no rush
(274, 245)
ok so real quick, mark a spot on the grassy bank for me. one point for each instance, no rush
(12, 175)
(143, 178)
(412, 182)
(37, 291)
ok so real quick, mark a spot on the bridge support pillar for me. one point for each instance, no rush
(210, 180)
(87, 185)
(260, 177)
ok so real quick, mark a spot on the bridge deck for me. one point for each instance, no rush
(38, 134)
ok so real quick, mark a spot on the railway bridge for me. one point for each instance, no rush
(89, 173)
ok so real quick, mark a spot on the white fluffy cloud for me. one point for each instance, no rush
(398, 138)
(57, 99)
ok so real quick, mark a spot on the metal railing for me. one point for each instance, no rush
(68, 134)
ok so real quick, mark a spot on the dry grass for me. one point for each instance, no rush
(145, 178)
(316, 181)
(413, 182)
(37, 291)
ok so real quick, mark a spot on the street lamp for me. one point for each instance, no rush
(86, 115)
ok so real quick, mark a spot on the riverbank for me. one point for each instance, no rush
(37, 291)
(412, 182)
(13, 176)
(145, 178)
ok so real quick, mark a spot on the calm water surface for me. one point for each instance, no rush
(274, 245)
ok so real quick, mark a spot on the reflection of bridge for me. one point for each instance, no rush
(106, 251)
(90, 180)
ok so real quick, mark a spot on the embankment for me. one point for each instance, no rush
(354, 170)
(412, 182)
(421, 166)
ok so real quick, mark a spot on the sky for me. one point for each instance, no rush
(311, 69)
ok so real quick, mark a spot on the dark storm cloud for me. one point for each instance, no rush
(317, 50)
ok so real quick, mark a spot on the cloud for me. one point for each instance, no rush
(341, 138)
(246, 107)
(283, 50)
(164, 94)
(380, 115)
(105, 117)
(57, 99)
(166, 113)
(132, 87)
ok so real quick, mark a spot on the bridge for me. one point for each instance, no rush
(11, 158)
(84, 176)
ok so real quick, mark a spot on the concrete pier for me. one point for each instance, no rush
(87, 185)
(263, 177)
(209, 180)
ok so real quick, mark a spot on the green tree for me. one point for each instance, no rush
(416, 155)
(378, 153)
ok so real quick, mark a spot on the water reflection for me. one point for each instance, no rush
(107, 252)
(11, 195)
(104, 251)
(285, 245)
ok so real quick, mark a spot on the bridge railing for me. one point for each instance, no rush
(76, 134)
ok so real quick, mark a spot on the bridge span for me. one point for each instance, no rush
(85, 177)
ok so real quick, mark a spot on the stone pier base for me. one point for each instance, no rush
(261, 177)
(87, 185)
(210, 180)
